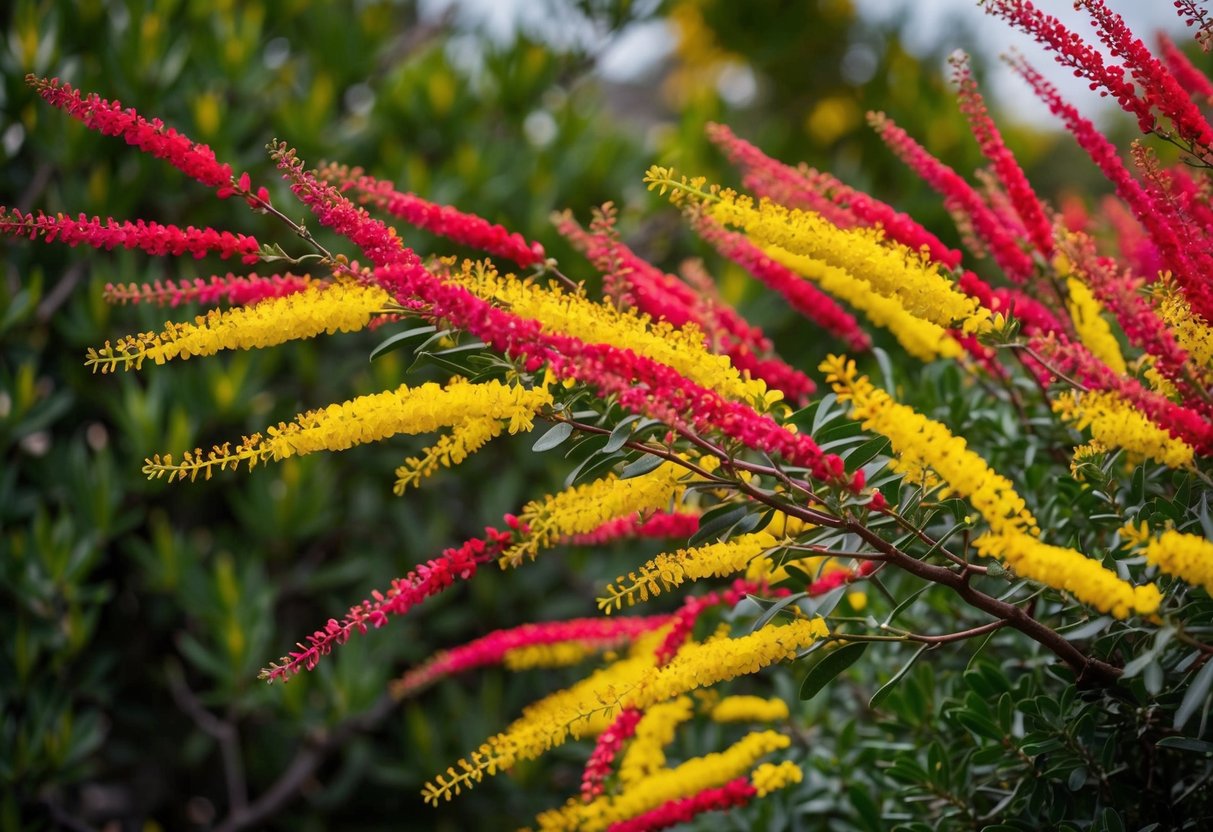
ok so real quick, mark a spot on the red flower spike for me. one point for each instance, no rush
(238, 290)
(1018, 190)
(738, 792)
(443, 220)
(491, 649)
(959, 197)
(813, 190)
(150, 237)
(196, 161)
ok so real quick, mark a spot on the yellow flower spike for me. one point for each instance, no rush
(583, 508)
(632, 682)
(560, 654)
(771, 777)
(893, 270)
(749, 709)
(338, 307)
(1093, 331)
(695, 775)
(1185, 556)
(921, 338)
(1116, 423)
(405, 410)
(1071, 571)
(602, 323)
(672, 569)
(645, 754)
(922, 443)
(1191, 330)
(453, 448)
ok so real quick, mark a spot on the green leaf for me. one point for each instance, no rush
(1186, 744)
(553, 438)
(398, 339)
(830, 666)
(644, 465)
(620, 435)
(714, 522)
(782, 603)
(1195, 695)
(887, 688)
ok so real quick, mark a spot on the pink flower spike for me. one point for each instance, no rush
(150, 237)
(958, 197)
(1019, 191)
(238, 290)
(737, 792)
(443, 220)
(490, 649)
(196, 161)
(1194, 82)
(426, 580)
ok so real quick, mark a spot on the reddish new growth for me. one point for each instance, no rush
(236, 289)
(598, 633)
(1018, 190)
(443, 220)
(150, 237)
(1194, 14)
(661, 524)
(108, 117)
(959, 197)
(428, 579)
(814, 190)
(738, 792)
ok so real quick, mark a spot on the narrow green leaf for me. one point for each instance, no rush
(553, 438)
(644, 465)
(620, 435)
(887, 688)
(1195, 696)
(782, 603)
(398, 339)
(1186, 744)
(830, 666)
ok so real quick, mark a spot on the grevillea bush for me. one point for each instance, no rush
(1019, 572)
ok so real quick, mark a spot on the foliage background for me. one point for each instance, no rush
(137, 614)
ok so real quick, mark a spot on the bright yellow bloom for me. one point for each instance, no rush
(921, 443)
(450, 450)
(771, 777)
(645, 754)
(1191, 330)
(1071, 571)
(584, 508)
(405, 410)
(1116, 423)
(337, 307)
(749, 709)
(1093, 331)
(919, 337)
(669, 570)
(695, 775)
(892, 269)
(601, 323)
(576, 711)
(1186, 556)
(560, 654)
(633, 682)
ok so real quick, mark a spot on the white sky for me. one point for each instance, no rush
(924, 24)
